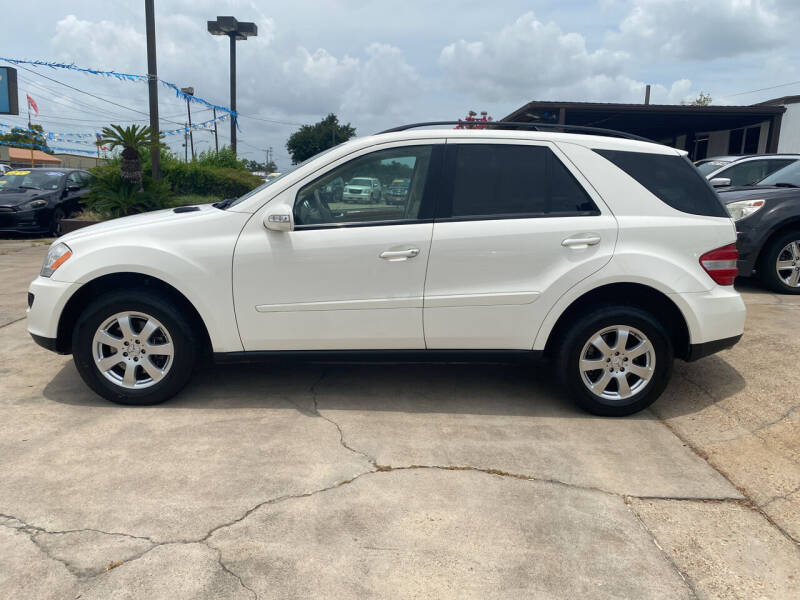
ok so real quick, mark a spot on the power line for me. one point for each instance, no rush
(772, 87)
(92, 95)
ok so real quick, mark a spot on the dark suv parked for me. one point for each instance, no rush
(767, 219)
(35, 200)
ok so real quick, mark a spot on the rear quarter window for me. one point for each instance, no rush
(671, 179)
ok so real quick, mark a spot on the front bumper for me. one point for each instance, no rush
(36, 220)
(45, 308)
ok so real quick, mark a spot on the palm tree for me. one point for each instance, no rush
(131, 140)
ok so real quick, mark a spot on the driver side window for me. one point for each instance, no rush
(386, 185)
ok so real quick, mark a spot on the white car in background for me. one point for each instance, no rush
(366, 190)
(724, 171)
(624, 260)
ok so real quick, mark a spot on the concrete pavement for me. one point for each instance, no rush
(402, 481)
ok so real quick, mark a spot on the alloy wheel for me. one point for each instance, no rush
(133, 350)
(617, 362)
(788, 264)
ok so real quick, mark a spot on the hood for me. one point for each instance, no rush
(148, 219)
(734, 194)
(16, 196)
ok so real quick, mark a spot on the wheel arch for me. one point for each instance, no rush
(634, 294)
(114, 281)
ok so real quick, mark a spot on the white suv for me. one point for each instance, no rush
(610, 256)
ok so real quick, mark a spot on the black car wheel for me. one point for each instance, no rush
(779, 265)
(55, 221)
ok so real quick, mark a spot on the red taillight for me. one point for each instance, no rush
(720, 264)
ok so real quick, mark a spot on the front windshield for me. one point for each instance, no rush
(710, 166)
(788, 175)
(40, 180)
(269, 182)
(360, 181)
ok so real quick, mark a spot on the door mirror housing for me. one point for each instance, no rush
(73, 188)
(721, 181)
(279, 218)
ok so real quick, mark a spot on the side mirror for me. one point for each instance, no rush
(721, 181)
(73, 188)
(279, 219)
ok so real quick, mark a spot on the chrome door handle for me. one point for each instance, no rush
(581, 242)
(399, 254)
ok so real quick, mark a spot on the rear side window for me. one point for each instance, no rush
(670, 178)
(508, 180)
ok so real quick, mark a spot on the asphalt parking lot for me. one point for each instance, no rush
(399, 481)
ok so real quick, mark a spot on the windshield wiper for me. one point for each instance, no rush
(223, 204)
(28, 187)
(785, 184)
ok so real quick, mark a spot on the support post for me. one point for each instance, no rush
(216, 139)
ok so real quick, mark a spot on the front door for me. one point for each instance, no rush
(350, 275)
(518, 227)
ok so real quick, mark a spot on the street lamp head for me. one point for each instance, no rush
(230, 26)
(188, 90)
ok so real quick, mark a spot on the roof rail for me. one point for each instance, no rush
(526, 125)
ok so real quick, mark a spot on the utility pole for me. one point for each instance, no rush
(185, 143)
(216, 140)
(152, 84)
(647, 94)
(189, 91)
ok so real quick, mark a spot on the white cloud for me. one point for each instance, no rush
(670, 30)
(530, 59)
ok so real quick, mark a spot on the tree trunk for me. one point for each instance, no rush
(131, 167)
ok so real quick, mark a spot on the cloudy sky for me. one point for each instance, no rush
(377, 63)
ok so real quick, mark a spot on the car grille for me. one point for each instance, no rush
(7, 220)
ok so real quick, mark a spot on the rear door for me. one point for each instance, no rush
(517, 226)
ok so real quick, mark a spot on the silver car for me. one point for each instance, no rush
(723, 171)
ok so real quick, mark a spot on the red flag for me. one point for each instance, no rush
(32, 104)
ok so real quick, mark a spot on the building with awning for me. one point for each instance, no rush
(702, 131)
(21, 157)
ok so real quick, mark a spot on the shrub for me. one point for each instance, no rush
(222, 182)
(112, 196)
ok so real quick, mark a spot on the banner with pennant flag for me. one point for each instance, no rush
(32, 104)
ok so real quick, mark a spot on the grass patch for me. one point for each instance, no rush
(188, 199)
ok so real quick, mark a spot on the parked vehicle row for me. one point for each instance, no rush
(623, 260)
(36, 200)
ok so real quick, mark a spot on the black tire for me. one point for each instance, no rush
(578, 334)
(55, 221)
(767, 263)
(184, 340)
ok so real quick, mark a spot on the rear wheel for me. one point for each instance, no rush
(133, 347)
(779, 266)
(615, 360)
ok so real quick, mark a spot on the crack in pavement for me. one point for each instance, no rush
(751, 503)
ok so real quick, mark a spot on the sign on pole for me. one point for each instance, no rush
(9, 104)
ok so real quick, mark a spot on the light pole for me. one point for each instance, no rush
(235, 31)
(189, 91)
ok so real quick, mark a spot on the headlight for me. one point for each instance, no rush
(56, 256)
(744, 208)
(34, 204)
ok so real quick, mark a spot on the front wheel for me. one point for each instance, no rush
(779, 267)
(55, 221)
(134, 347)
(615, 360)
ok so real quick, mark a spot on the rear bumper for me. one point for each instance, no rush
(697, 351)
(714, 318)
(46, 342)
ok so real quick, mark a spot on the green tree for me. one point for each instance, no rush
(254, 165)
(702, 99)
(313, 139)
(23, 136)
(132, 140)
